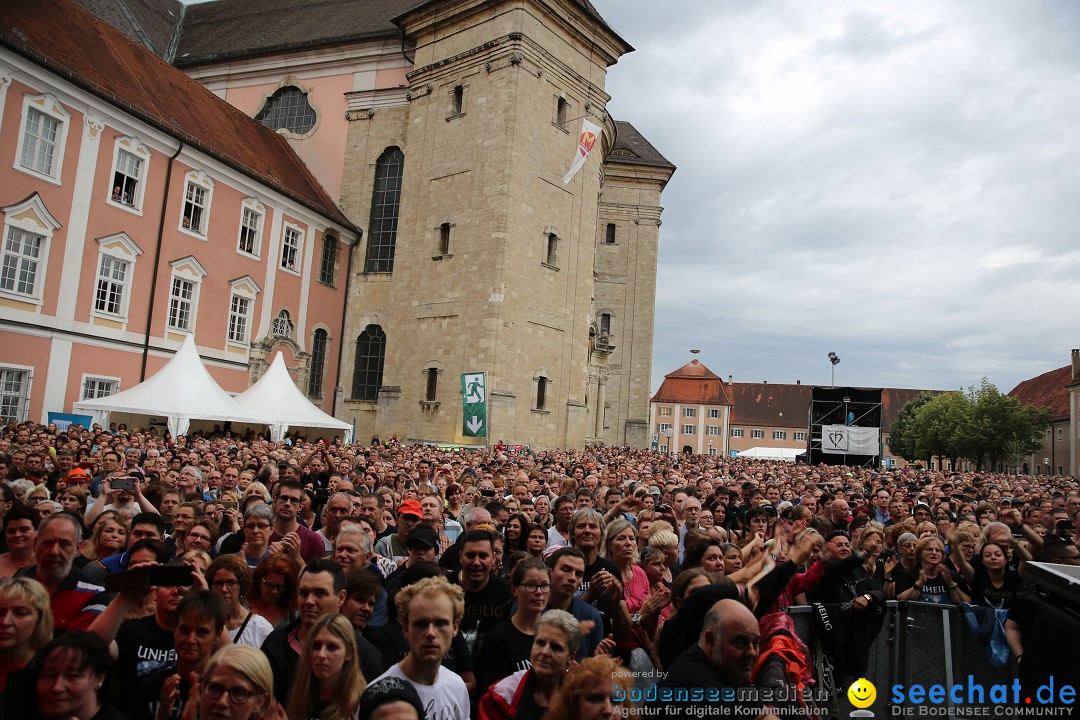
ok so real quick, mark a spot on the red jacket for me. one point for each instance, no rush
(502, 699)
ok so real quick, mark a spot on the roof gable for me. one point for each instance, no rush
(692, 384)
(632, 147)
(1047, 390)
(91, 53)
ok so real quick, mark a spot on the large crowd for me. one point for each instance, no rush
(219, 576)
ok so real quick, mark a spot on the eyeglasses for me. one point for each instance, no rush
(272, 586)
(237, 695)
(203, 538)
(257, 526)
(288, 499)
(533, 587)
(225, 584)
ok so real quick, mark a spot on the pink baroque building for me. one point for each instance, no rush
(139, 208)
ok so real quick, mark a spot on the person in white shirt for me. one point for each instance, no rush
(430, 612)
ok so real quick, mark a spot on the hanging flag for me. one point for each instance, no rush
(589, 134)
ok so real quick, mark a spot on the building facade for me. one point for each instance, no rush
(132, 219)
(1059, 390)
(695, 410)
(444, 131)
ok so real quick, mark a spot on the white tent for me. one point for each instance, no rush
(181, 391)
(772, 453)
(276, 396)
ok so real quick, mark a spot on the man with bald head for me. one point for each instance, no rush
(723, 658)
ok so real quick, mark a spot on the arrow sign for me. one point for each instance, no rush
(474, 404)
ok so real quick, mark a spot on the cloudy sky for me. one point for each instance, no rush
(895, 182)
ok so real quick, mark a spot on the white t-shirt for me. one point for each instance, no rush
(447, 699)
(555, 538)
(256, 631)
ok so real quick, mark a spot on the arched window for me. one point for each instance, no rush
(318, 363)
(282, 326)
(385, 199)
(288, 109)
(367, 371)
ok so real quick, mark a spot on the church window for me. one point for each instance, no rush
(432, 390)
(605, 323)
(288, 109)
(551, 256)
(562, 110)
(457, 100)
(385, 201)
(444, 239)
(368, 368)
(609, 237)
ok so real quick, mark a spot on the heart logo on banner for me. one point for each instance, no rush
(835, 438)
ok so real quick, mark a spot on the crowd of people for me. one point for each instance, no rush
(219, 576)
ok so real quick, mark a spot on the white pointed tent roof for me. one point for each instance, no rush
(182, 391)
(276, 396)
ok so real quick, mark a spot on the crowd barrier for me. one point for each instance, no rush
(919, 643)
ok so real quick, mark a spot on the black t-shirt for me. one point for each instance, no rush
(603, 603)
(933, 590)
(142, 647)
(983, 591)
(484, 609)
(506, 650)
(148, 695)
(597, 565)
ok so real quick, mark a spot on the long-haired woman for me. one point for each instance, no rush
(273, 588)
(328, 682)
(108, 536)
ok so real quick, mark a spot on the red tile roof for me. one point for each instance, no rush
(770, 404)
(1048, 390)
(91, 53)
(693, 384)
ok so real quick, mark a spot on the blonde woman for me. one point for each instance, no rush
(237, 684)
(108, 536)
(328, 682)
(26, 605)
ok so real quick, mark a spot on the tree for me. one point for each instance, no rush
(940, 427)
(1002, 427)
(901, 434)
(981, 425)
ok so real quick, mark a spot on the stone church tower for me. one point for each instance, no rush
(445, 129)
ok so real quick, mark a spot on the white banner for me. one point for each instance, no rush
(841, 439)
(589, 135)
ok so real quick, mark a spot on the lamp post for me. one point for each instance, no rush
(835, 360)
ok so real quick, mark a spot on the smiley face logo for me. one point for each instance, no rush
(862, 693)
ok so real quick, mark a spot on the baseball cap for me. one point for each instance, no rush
(423, 536)
(411, 507)
(389, 690)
